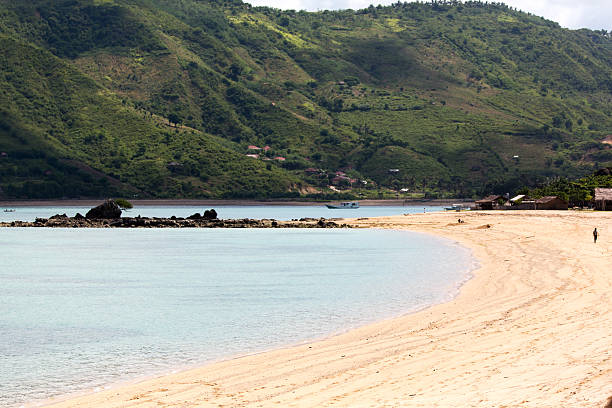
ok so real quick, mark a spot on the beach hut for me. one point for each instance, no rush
(490, 202)
(522, 202)
(550, 203)
(603, 199)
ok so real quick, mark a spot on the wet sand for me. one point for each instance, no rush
(533, 328)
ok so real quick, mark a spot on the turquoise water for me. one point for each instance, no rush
(85, 308)
(283, 213)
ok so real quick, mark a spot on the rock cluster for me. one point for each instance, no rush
(193, 221)
(108, 215)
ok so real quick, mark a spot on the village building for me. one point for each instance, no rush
(603, 199)
(491, 202)
(522, 202)
(550, 203)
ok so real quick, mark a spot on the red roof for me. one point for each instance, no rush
(253, 147)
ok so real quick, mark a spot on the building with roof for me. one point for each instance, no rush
(550, 203)
(603, 199)
(490, 202)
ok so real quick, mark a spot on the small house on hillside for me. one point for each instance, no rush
(490, 202)
(603, 199)
(550, 203)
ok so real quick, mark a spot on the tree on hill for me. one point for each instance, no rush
(175, 119)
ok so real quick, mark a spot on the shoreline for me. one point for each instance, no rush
(506, 331)
(67, 398)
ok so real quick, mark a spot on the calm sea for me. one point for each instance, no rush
(282, 213)
(81, 309)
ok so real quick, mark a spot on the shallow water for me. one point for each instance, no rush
(84, 308)
(282, 213)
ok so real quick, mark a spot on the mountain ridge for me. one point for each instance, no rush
(166, 97)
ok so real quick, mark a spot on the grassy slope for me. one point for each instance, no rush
(447, 95)
(56, 120)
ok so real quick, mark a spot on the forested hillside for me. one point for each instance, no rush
(197, 98)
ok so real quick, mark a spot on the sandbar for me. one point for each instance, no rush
(532, 328)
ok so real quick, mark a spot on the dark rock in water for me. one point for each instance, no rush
(210, 214)
(108, 210)
(40, 221)
(58, 217)
(79, 216)
(195, 216)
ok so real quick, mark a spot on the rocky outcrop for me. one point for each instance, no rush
(108, 215)
(61, 221)
(106, 211)
(210, 214)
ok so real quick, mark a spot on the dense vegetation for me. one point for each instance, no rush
(578, 192)
(164, 97)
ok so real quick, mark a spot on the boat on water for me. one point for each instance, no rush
(9, 210)
(456, 207)
(345, 205)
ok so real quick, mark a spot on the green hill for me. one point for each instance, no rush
(162, 98)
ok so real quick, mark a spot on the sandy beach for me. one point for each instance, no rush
(533, 328)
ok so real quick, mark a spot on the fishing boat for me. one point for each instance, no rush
(9, 210)
(343, 206)
(456, 207)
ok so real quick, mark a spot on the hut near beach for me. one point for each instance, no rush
(550, 203)
(603, 199)
(490, 202)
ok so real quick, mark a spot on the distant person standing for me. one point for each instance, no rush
(595, 235)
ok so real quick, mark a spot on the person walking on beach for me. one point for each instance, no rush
(595, 235)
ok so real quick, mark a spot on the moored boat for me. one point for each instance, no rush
(345, 205)
(456, 207)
